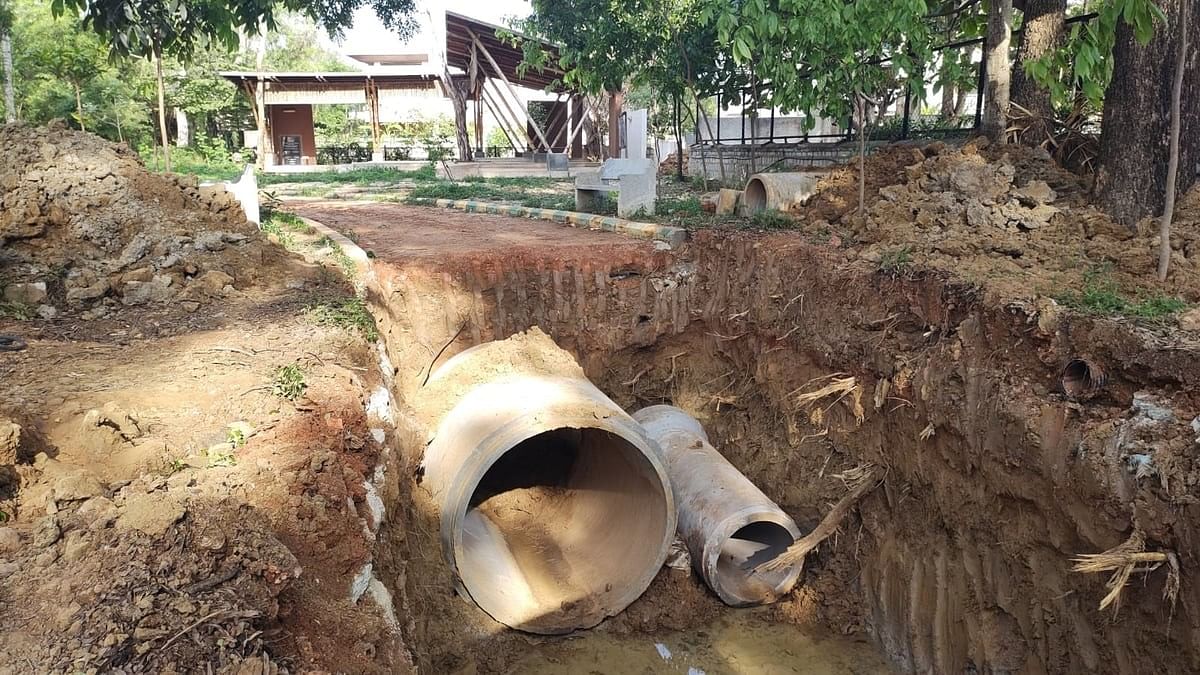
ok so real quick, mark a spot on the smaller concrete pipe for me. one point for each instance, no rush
(555, 508)
(779, 191)
(728, 524)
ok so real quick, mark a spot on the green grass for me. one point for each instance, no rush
(896, 260)
(288, 382)
(492, 190)
(279, 225)
(16, 310)
(683, 207)
(1101, 295)
(772, 220)
(350, 314)
(364, 176)
(188, 161)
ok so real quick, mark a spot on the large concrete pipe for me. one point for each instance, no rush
(556, 510)
(779, 191)
(730, 527)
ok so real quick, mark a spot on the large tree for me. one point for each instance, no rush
(6, 61)
(999, 69)
(1041, 34)
(1135, 132)
(601, 46)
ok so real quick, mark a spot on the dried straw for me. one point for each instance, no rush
(1125, 559)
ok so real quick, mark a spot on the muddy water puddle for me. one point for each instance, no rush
(740, 642)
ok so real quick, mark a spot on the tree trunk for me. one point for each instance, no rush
(260, 101)
(1131, 181)
(999, 70)
(10, 100)
(1042, 34)
(460, 114)
(860, 103)
(79, 106)
(1164, 227)
(949, 100)
(678, 140)
(616, 99)
(162, 110)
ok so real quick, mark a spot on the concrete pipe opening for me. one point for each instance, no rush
(730, 527)
(555, 508)
(779, 191)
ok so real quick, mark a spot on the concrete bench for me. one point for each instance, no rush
(634, 180)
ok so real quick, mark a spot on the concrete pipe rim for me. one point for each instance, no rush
(754, 198)
(509, 437)
(732, 593)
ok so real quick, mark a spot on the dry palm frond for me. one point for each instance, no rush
(928, 432)
(860, 480)
(841, 387)
(1125, 559)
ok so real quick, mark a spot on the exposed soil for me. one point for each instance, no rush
(166, 511)
(1004, 218)
(140, 540)
(995, 479)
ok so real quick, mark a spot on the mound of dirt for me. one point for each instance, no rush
(82, 220)
(1006, 218)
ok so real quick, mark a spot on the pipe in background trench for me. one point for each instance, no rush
(728, 524)
(779, 191)
(555, 508)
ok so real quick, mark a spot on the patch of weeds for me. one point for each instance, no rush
(351, 314)
(235, 436)
(16, 310)
(680, 206)
(220, 456)
(288, 382)
(896, 261)
(772, 220)
(274, 226)
(1101, 295)
(353, 177)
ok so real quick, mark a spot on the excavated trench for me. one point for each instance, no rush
(995, 477)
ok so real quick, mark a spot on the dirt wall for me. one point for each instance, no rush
(994, 478)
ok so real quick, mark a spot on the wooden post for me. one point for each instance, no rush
(503, 130)
(511, 89)
(373, 107)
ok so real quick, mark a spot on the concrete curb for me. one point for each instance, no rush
(362, 261)
(674, 237)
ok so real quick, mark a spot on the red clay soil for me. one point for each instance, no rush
(397, 232)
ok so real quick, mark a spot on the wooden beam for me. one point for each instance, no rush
(372, 93)
(516, 119)
(511, 89)
(502, 124)
(578, 127)
(496, 112)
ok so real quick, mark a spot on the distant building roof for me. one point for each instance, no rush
(391, 59)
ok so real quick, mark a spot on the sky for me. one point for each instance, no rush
(368, 36)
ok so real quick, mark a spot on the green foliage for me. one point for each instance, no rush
(193, 162)
(16, 310)
(280, 225)
(178, 27)
(288, 382)
(1101, 295)
(219, 456)
(819, 56)
(354, 177)
(1083, 64)
(499, 190)
(235, 436)
(350, 314)
(679, 206)
(896, 261)
(772, 220)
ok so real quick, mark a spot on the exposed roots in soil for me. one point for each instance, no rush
(1126, 559)
(861, 480)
